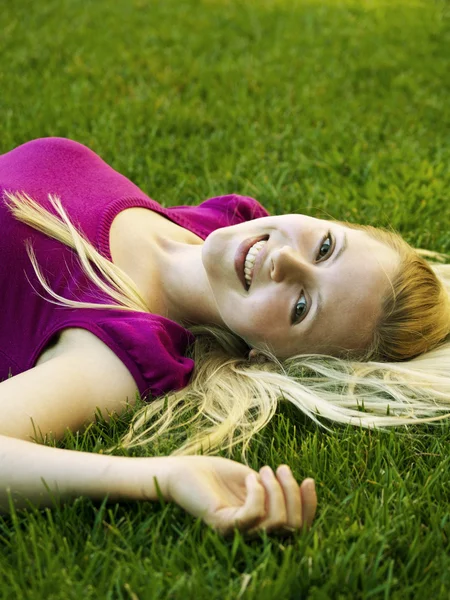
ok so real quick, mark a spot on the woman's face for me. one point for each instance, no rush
(315, 285)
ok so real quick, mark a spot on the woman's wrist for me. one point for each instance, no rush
(136, 478)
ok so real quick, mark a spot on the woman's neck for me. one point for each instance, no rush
(164, 261)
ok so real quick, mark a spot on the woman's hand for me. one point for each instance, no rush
(227, 494)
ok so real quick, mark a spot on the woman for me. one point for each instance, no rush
(83, 330)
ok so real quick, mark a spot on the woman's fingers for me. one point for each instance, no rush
(301, 501)
(309, 501)
(292, 497)
(247, 516)
(254, 508)
(288, 505)
(276, 514)
(272, 503)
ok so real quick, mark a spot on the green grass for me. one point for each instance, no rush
(329, 108)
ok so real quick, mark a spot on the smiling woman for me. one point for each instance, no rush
(311, 286)
(178, 303)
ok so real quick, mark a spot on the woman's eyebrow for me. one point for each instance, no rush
(319, 301)
(341, 249)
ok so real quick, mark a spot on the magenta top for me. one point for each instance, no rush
(151, 347)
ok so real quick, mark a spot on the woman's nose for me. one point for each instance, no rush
(286, 262)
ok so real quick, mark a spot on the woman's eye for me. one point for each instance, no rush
(301, 308)
(325, 248)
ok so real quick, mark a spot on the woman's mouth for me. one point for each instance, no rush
(246, 259)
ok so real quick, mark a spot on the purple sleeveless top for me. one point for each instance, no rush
(151, 347)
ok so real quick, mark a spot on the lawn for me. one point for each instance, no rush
(337, 108)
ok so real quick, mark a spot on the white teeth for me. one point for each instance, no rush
(250, 260)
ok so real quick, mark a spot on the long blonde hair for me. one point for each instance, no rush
(415, 316)
(404, 378)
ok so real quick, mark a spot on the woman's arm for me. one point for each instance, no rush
(82, 377)
(41, 475)
(65, 392)
(225, 494)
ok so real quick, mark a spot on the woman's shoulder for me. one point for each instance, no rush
(50, 144)
(46, 153)
(47, 164)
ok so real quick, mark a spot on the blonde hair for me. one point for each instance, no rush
(415, 316)
(404, 379)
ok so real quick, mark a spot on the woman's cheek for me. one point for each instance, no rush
(257, 321)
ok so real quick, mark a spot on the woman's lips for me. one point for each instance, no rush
(241, 255)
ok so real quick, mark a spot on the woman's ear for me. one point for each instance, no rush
(256, 357)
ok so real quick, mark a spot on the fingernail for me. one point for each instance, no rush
(285, 469)
(311, 483)
(267, 472)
